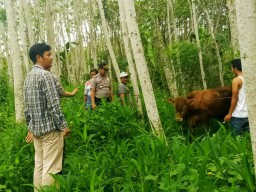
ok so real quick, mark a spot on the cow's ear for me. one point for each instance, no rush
(172, 101)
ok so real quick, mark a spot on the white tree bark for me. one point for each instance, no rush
(216, 47)
(141, 66)
(16, 60)
(92, 29)
(234, 36)
(3, 45)
(170, 71)
(129, 57)
(10, 70)
(194, 15)
(246, 22)
(108, 42)
(66, 36)
(28, 11)
(80, 56)
(23, 37)
(50, 33)
(40, 19)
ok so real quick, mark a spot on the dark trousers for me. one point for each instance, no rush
(239, 125)
(98, 101)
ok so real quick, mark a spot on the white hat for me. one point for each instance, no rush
(123, 74)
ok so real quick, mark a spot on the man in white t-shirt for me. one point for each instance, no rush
(238, 114)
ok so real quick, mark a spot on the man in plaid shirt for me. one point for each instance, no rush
(46, 123)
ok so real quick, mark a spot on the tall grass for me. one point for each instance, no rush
(112, 149)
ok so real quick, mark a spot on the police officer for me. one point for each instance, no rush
(101, 86)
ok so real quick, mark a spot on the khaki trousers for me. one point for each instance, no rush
(48, 158)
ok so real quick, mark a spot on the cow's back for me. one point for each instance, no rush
(216, 102)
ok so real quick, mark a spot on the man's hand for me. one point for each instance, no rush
(93, 106)
(66, 132)
(74, 91)
(29, 137)
(227, 118)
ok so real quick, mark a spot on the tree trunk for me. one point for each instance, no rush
(92, 29)
(216, 47)
(233, 25)
(194, 15)
(28, 11)
(108, 42)
(49, 23)
(24, 40)
(128, 53)
(246, 20)
(141, 66)
(16, 60)
(80, 68)
(3, 44)
(170, 71)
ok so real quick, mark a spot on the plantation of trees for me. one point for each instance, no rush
(169, 48)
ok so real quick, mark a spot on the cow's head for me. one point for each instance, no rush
(180, 104)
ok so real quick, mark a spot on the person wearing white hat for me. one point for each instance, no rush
(123, 91)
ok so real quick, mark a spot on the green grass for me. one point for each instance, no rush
(113, 149)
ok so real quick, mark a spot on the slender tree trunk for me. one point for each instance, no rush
(3, 44)
(28, 11)
(194, 15)
(16, 60)
(49, 23)
(246, 20)
(24, 40)
(178, 71)
(128, 53)
(10, 70)
(69, 57)
(170, 71)
(141, 66)
(233, 25)
(216, 47)
(41, 19)
(80, 59)
(92, 29)
(4, 38)
(108, 42)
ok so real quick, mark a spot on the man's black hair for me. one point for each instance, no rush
(236, 63)
(38, 49)
(94, 70)
(102, 65)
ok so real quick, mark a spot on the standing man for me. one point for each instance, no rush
(238, 114)
(123, 91)
(87, 90)
(46, 123)
(101, 86)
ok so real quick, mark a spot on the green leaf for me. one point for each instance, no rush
(151, 177)
(2, 187)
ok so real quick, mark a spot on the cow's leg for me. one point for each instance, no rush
(193, 121)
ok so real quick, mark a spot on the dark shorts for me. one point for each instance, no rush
(98, 101)
(239, 125)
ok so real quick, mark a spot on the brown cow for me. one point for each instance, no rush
(199, 106)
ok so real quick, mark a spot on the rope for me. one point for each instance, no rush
(209, 99)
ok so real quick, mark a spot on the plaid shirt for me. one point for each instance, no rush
(42, 103)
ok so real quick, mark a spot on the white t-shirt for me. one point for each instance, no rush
(241, 106)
